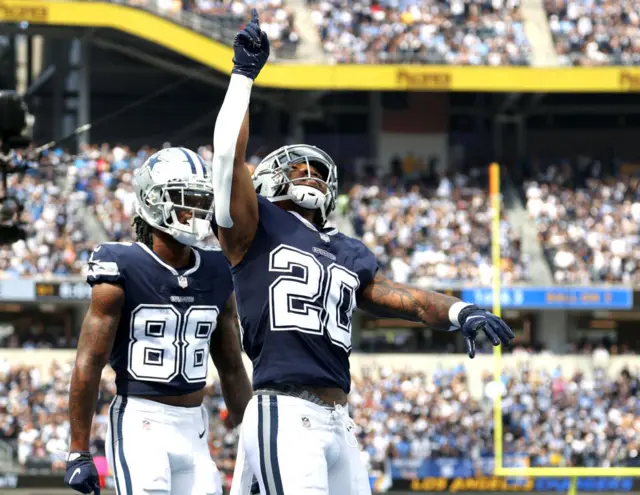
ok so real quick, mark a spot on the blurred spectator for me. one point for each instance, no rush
(590, 230)
(552, 419)
(276, 19)
(475, 32)
(591, 33)
(411, 415)
(560, 421)
(34, 418)
(106, 174)
(432, 236)
(35, 329)
(57, 242)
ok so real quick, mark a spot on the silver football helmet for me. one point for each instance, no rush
(271, 178)
(172, 181)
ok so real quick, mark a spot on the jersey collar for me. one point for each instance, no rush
(310, 225)
(191, 270)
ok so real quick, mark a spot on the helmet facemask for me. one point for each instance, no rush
(165, 205)
(307, 191)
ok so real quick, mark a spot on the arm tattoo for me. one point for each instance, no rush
(94, 346)
(384, 297)
(226, 352)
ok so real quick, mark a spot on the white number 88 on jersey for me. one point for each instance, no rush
(165, 344)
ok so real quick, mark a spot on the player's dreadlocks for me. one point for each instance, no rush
(143, 232)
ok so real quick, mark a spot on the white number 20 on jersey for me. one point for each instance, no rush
(165, 344)
(309, 303)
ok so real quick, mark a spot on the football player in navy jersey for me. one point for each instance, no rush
(297, 284)
(158, 308)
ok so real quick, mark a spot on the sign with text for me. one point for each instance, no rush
(504, 485)
(553, 298)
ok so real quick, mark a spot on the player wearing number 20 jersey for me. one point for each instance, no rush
(159, 307)
(297, 285)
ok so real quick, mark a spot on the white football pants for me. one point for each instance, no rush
(156, 449)
(296, 447)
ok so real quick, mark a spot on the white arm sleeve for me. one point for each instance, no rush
(225, 137)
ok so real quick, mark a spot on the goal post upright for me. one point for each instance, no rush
(494, 195)
(499, 469)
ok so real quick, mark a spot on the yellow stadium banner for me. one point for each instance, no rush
(302, 76)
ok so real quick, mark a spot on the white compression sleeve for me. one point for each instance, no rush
(225, 137)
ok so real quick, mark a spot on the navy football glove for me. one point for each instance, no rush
(473, 319)
(82, 474)
(250, 49)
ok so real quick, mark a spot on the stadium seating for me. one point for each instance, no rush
(275, 19)
(478, 32)
(595, 33)
(399, 415)
(57, 242)
(589, 226)
(427, 31)
(588, 229)
(436, 235)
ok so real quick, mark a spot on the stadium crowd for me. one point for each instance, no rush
(434, 234)
(476, 32)
(420, 229)
(106, 174)
(591, 33)
(553, 419)
(56, 242)
(588, 222)
(276, 19)
(457, 32)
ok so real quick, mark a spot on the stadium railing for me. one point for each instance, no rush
(221, 28)
(200, 42)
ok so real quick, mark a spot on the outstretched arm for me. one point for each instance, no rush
(94, 347)
(384, 297)
(226, 352)
(236, 203)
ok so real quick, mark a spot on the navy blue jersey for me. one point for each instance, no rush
(162, 343)
(296, 289)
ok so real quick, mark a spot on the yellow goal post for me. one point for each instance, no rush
(499, 469)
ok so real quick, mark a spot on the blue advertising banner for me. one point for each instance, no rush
(451, 467)
(553, 298)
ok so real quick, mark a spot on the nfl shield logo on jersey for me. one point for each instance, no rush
(324, 237)
(182, 282)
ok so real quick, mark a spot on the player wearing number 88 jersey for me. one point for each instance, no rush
(159, 307)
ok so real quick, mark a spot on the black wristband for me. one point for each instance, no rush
(82, 455)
